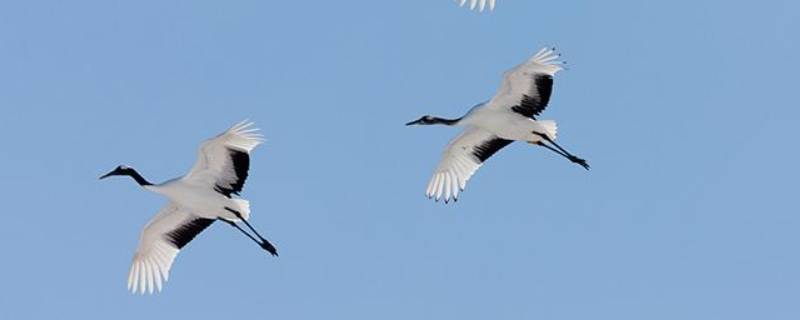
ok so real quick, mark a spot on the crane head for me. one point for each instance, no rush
(121, 170)
(426, 119)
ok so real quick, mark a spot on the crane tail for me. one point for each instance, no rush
(243, 207)
(548, 127)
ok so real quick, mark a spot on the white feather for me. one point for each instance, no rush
(458, 164)
(480, 4)
(213, 158)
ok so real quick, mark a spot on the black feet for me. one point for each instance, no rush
(579, 161)
(560, 150)
(269, 247)
(263, 243)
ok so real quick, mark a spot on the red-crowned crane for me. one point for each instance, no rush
(509, 116)
(204, 195)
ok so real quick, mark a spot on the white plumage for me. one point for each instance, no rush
(457, 164)
(214, 165)
(197, 199)
(509, 116)
(153, 258)
(480, 4)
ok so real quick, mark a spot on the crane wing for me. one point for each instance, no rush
(169, 231)
(480, 4)
(223, 162)
(462, 157)
(526, 89)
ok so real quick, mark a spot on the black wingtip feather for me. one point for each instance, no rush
(532, 105)
(488, 148)
(188, 231)
(241, 164)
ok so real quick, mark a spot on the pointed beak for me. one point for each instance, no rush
(414, 122)
(107, 175)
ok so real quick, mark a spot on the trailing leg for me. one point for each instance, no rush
(264, 243)
(561, 151)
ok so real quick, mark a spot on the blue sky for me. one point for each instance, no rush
(686, 111)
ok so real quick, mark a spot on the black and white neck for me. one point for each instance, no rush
(138, 178)
(127, 171)
(447, 122)
(432, 120)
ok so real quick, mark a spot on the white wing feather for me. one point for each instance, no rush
(155, 254)
(519, 80)
(458, 164)
(481, 4)
(213, 160)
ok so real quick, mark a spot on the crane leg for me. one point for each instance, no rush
(560, 150)
(264, 243)
(233, 224)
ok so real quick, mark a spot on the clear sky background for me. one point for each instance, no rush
(686, 110)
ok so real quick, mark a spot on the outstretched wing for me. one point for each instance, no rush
(526, 89)
(481, 4)
(223, 162)
(462, 157)
(169, 231)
